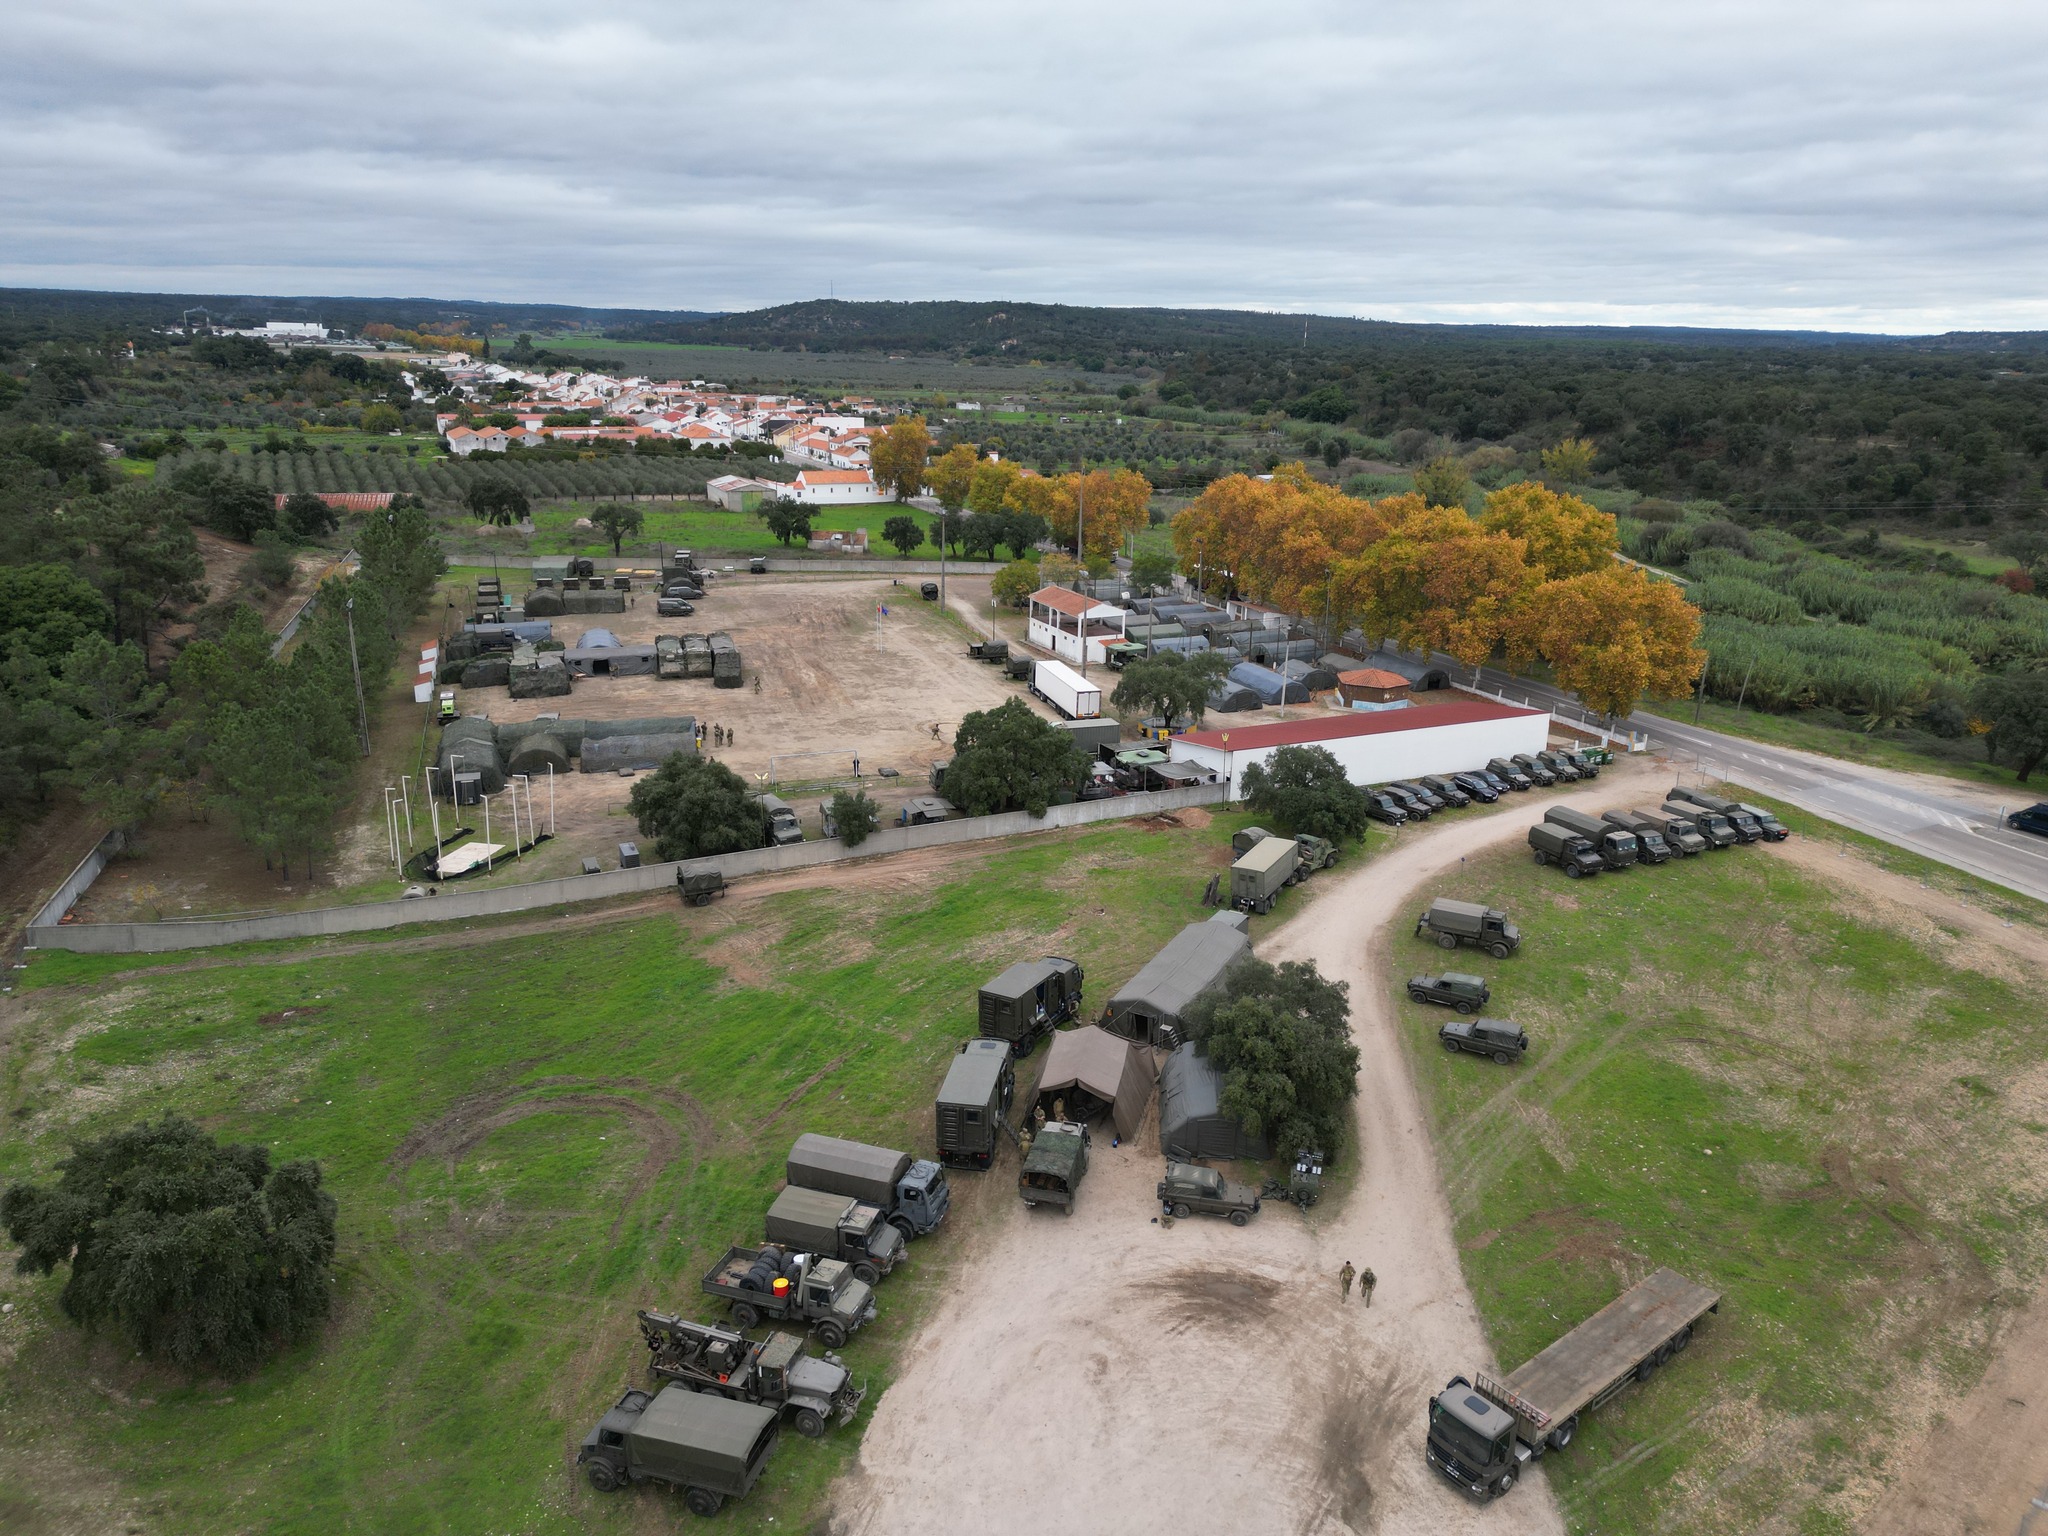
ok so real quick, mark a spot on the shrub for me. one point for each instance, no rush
(855, 815)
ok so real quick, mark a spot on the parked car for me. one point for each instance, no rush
(1447, 790)
(1479, 786)
(1422, 792)
(1416, 807)
(1510, 774)
(688, 590)
(1189, 1187)
(1384, 807)
(1498, 1038)
(1588, 766)
(1560, 765)
(1500, 785)
(1532, 770)
(2033, 819)
(1454, 989)
(674, 607)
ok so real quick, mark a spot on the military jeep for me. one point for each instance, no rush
(1467, 994)
(1501, 1039)
(1189, 1187)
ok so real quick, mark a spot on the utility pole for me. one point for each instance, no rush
(355, 665)
(942, 557)
(1700, 698)
(1081, 552)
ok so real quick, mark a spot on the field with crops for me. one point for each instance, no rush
(447, 480)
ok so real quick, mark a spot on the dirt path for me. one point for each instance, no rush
(1110, 1366)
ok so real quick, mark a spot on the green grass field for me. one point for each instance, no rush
(695, 525)
(532, 1130)
(1737, 1072)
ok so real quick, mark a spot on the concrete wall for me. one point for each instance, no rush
(454, 905)
(78, 882)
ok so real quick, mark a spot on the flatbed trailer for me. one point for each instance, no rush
(1483, 1431)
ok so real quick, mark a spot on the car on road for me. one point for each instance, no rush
(2033, 819)
(1454, 989)
(1501, 1039)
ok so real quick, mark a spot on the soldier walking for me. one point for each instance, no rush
(1344, 1277)
(1366, 1282)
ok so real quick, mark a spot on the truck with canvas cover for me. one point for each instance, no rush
(911, 1191)
(1452, 923)
(1066, 690)
(1257, 879)
(1710, 825)
(1553, 844)
(711, 1448)
(1747, 824)
(1055, 1165)
(989, 650)
(698, 886)
(835, 1227)
(1618, 848)
(973, 1103)
(1483, 1432)
(783, 827)
(757, 1283)
(1091, 736)
(1678, 832)
(810, 1394)
(1242, 843)
(1189, 1187)
(1650, 845)
(1029, 1001)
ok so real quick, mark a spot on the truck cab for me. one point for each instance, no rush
(1773, 830)
(1473, 1442)
(1710, 826)
(783, 826)
(446, 710)
(922, 1198)
(1554, 844)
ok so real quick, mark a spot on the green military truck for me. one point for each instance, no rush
(973, 1103)
(1618, 848)
(835, 1227)
(1029, 1001)
(711, 1448)
(1553, 844)
(1189, 1187)
(1711, 825)
(1316, 852)
(766, 1282)
(1498, 1038)
(1452, 923)
(1751, 823)
(1650, 845)
(1257, 879)
(1483, 1432)
(810, 1394)
(1055, 1165)
(1678, 832)
(911, 1191)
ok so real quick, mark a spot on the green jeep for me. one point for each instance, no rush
(1467, 994)
(1498, 1038)
(1189, 1187)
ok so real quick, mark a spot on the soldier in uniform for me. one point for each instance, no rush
(1344, 1277)
(1366, 1282)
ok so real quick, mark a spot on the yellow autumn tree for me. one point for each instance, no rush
(951, 475)
(1565, 536)
(1570, 461)
(1613, 636)
(896, 455)
(1109, 504)
(993, 487)
(1437, 582)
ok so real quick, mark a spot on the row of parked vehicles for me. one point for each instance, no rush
(1418, 799)
(1690, 822)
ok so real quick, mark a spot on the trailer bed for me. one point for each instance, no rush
(1607, 1347)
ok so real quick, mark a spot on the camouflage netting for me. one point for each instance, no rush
(616, 752)
(537, 754)
(660, 725)
(696, 655)
(475, 742)
(568, 731)
(592, 602)
(725, 661)
(544, 677)
(487, 672)
(544, 605)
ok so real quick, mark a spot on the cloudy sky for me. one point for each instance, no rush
(1866, 167)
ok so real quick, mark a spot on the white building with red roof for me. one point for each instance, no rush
(1374, 748)
(1063, 621)
(835, 488)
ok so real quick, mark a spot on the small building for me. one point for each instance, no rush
(1372, 685)
(1376, 747)
(1148, 1008)
(1090, 1073)
(1062, 621)
(1192, 1124)
(738, 493)
(834, 488)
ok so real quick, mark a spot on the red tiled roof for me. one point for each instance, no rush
(835, 477)
(1066, 600)
(1341, 726)
(1372, 677)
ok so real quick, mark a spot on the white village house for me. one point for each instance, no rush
(1062, 621)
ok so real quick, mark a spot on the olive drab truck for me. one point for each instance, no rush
(1028, 1001)
(1751, 823)
(1553, 844)
(1451, 923)
(1650, 845)
(768, 1282)
(1055, 1165)
(1257, 879)
(835, 1227)
(1483, 1432)
(911, 1191)
(1617, 847)
(1710, 825)
(973, 1103)
(1678, 832)
(810, 1393)
(709, 1447)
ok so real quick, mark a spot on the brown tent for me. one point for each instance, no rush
(1095, 1072)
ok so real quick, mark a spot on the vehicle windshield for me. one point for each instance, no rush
(1625, 840)
(1467, 1442)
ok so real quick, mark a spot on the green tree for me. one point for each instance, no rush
(113, 756)
(1305, 789)
(904, 532)
(855, 815)
(197, 1253)
(787, 519)
(49, 609)
(1281, 1037)
(980, 533)
(143, 556)
(495, 501)
(1570, 462)
(401, 558)
(620, 522)
(1176, 688)
(1015, 582)
(1151, 571)
(1008, 758)
(695, 806)
(382, 418)
(2016, 705)
(1442, 482)
(1022, 531)
(306, 516)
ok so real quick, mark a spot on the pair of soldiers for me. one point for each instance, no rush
(1366, 1281)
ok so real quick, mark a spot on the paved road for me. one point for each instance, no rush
(1953, 823)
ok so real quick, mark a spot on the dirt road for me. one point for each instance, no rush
(1098, 1370)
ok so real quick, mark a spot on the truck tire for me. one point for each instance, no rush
(1541, 858)
(604, 1477)
(1646, 1369)
(808, 1422)
(831, 1334)
(866, 1273)
(744, 1316)
(1447, 941)
(1507, 1481)
(1499, 951)
(702, 1501)
(1239, 1218)
(1501, 1058)
(902, 1224)
(1452, 1046)
(1573, 872)
(1417, 995)
(1681, 1338)
(1561, 1436)
(1180, 1213)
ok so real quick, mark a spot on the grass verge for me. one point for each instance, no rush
(1906, 751)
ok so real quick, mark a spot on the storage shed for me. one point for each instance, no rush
(1423, 674)
(1148, 1008)
(1372, 685)
(1228, 698)
(1095, 1073)
(1192, 1124)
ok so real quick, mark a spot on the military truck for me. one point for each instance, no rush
(1454, 989)
(1709, 824)
(768, 1282)
(973, 1103)
(1678, 832)
(1498, 1038)
(1452, 923)
(1563, 847)
(1257, 879)
(783, 826)
(1189, 1187)
(1055, 1165)
(698, 886)
(1509, 774)
(1650, 845)
(811, 1394)
(1747, 824)
(989, 650)
(835, 1227)
(911, 1192)
(1242, 843)
(1447, 789)
(1483, 1432)
(1030, 1000)
(1316, 852)
(1618, 849)
(710, 1448)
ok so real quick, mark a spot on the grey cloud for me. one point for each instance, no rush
(1869, 166)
